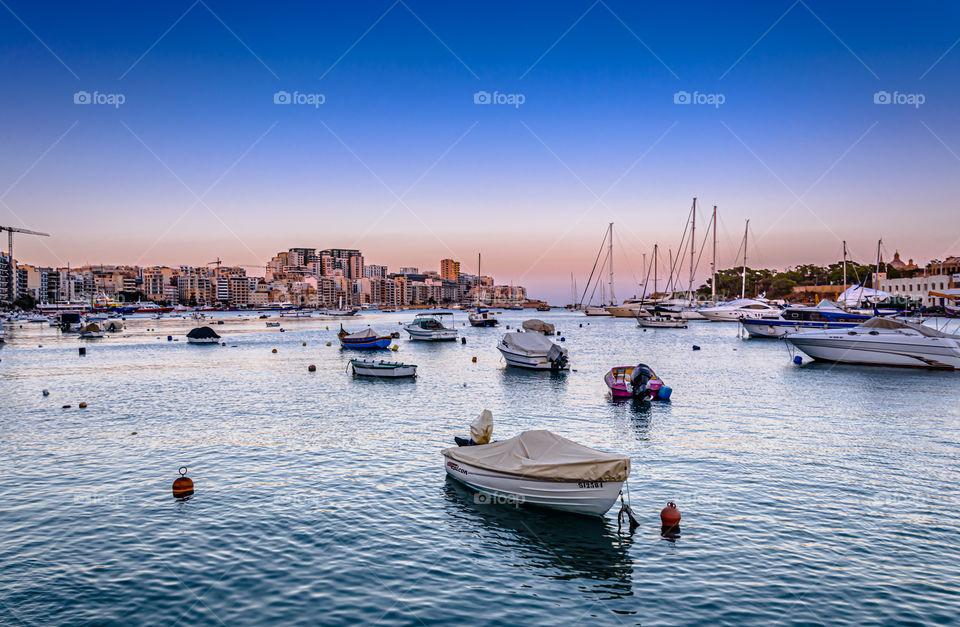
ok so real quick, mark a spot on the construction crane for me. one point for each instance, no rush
(219, 263)
(12, 293)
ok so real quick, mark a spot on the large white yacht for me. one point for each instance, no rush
(882, 342)
(740, 308)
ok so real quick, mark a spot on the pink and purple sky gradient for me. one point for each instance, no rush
(399, 161)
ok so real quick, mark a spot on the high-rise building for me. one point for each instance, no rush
(374, 271)
(348, 259)
(449, 269)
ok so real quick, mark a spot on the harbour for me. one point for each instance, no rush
(809, 494)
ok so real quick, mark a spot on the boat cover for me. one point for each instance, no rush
(542, 454)
(482, 428)
(361, 335)
(530, 343)
(539, 325)
(91, 328)
(202, 333)
(856, 294)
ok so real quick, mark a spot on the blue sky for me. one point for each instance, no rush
(598, 136)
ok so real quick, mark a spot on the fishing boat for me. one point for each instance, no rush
(532, 351)
(383, 369)
(203, 335)
(540, 468)
(636, 382)
(363, 340)
(430, 327)
(273, 324)
(882, 342)
(482, 318)
(661, 322)
(543, 307)
(91, 331)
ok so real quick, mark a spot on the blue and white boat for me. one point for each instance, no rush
(364, 340)
(826, 315)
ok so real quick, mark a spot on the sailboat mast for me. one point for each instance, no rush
(693, 239)
(743, 284)
(876, 283)
(713, 264)
(478, 282)
(655, 270)
(610, 262)
(844, 265)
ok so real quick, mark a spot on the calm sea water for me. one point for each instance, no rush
(810, 495)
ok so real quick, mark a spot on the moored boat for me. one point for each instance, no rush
(533, 351)
(364, 340)
(482, 318)
(882, 342)
(661, 322)
(91, 331)
(543, 469)
(637, 382)
(383, 369)
(430, 327)
(203, 335)
(740, 308)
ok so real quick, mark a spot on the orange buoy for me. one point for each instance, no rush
(312, 368)
(182, 485)
(82, 405)
(670, 515)
(474, 360)
(274, 350)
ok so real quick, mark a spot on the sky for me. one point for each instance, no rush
(178, 132)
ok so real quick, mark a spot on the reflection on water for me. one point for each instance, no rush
(553, 544)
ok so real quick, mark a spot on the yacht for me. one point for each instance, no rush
(740, 308)
(882, 342)
(826, 315)
(629, 308)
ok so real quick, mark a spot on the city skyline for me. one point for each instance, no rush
(519, 139)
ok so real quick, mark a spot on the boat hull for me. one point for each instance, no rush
(661, 323)
(371, 344)
(782, 328)
(936, 353)
(589, 498)
(596, 311)
(384, 372)
(203, 340)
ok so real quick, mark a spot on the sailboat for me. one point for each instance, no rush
(601, 310)
(481, 317)
(340, 311)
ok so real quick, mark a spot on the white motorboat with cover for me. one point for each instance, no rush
(538, 468)
(430, 327)
(882, 342)
(532, 350)
(539, 326)
(203, 335)
(740, 308)
(91, 331)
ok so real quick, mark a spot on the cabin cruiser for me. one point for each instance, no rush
(430, 327)
(740, 308)
(882, 342)
(537, 468)
(826, 315)
(532, 350)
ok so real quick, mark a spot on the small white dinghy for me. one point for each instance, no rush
(538, 468)
(385, 369)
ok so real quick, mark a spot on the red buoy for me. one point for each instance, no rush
(182, 485)
(670, 515)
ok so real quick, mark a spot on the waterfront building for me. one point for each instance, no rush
(917, 287)
(371, 271)
(450, 269)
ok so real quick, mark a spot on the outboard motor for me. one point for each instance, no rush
(639, 379)
(557, 358)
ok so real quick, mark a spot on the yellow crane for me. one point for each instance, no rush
(12, 292)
